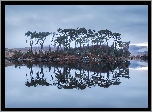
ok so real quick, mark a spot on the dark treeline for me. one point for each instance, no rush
(88, 43)
(80, 36)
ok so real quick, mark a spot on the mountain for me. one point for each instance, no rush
(136, 49)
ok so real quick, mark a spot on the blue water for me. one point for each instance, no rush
(130, 93)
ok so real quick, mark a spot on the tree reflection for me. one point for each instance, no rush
(78, 76)
(38, 80)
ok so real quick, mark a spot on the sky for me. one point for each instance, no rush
(131, 21)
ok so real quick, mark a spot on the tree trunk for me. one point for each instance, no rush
(75, 44)
(80, 45)
(58, 48)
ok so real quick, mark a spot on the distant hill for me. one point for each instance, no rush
(134, 49)
(34, 48)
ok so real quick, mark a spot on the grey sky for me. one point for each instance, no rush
(131, 21)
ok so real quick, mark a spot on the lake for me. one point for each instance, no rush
(66, 87)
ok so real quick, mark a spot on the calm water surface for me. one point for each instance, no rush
(130, 92)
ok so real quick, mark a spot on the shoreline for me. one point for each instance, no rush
(8, 63)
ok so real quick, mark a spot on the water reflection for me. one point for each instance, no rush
(78, 76)
(37, 80)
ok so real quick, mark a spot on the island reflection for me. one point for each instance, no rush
(79, 76)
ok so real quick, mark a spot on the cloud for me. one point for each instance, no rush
(141, 44)
(140, 68)
(129, 20)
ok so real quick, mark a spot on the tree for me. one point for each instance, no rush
(40, 37)
(31, 39)
(116, 37)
